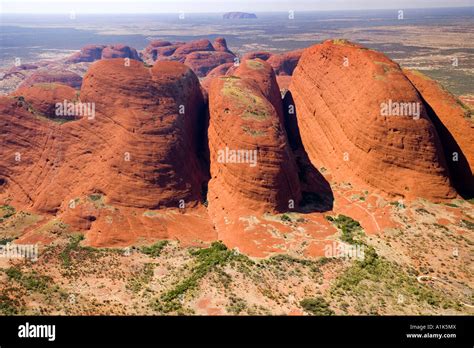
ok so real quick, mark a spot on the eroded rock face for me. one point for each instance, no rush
(245, 127)
(344, 127)
(120, 51)
(261, 72)
(193, 46)
(159, 50)
(220, 44)
(29, 156)
(153, 121)
(285, 63)
(203, 62)
(159, 43)
(91, 53)
(64, 77)
(220, 70)
(43, 97)
(139, 149)
(259, 54)
(455, 125)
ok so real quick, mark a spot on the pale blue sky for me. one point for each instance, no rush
(173, 6)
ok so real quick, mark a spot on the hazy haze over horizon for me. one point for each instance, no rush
(208, 6)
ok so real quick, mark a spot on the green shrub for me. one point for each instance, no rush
(350, 228)
(207, 260)
(155, 249)
(316, 306)
(73, 245)
(8, 306)
(6, 211)
(31, 281)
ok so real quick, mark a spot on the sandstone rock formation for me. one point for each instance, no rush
(262, 74)
(285, 63)
(244, 121)
(220, 70)
(259, 54)
(192, 46)
(284, 82)
(140, 149)
(344, 129)
(220, 44)
(455, 125)
(203, 62)
(120, 51)
(43, 97)
(156, 113)
(61, 76)
(153, 145)
(91, 53)
(159, 50)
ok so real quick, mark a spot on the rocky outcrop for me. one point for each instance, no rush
(43, 97)
(239, 15)
(159, 43)
(64, 77)
(259, 54)
(284, 82)
(153, 122)
(262, 74)
(159, 50)
(455, 125)
(220, 45)
(120, 51)
(285, 63)
(220, 70)
(91, 53)
(140, 148)
(193, 46)
(23, 166)
(349, 125)
(203, 62)
(251, 162)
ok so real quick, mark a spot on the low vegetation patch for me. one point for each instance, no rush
(254, 64)
(254, 106)
(31, 281)
(6, 211)
(139, 280)
(74, 248)
(207, 260)
(374, 279)
(316, 306)
(350, 228)
(155, 249)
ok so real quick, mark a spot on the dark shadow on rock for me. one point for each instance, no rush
(459, 171)
(203, 152)
(316, 190)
